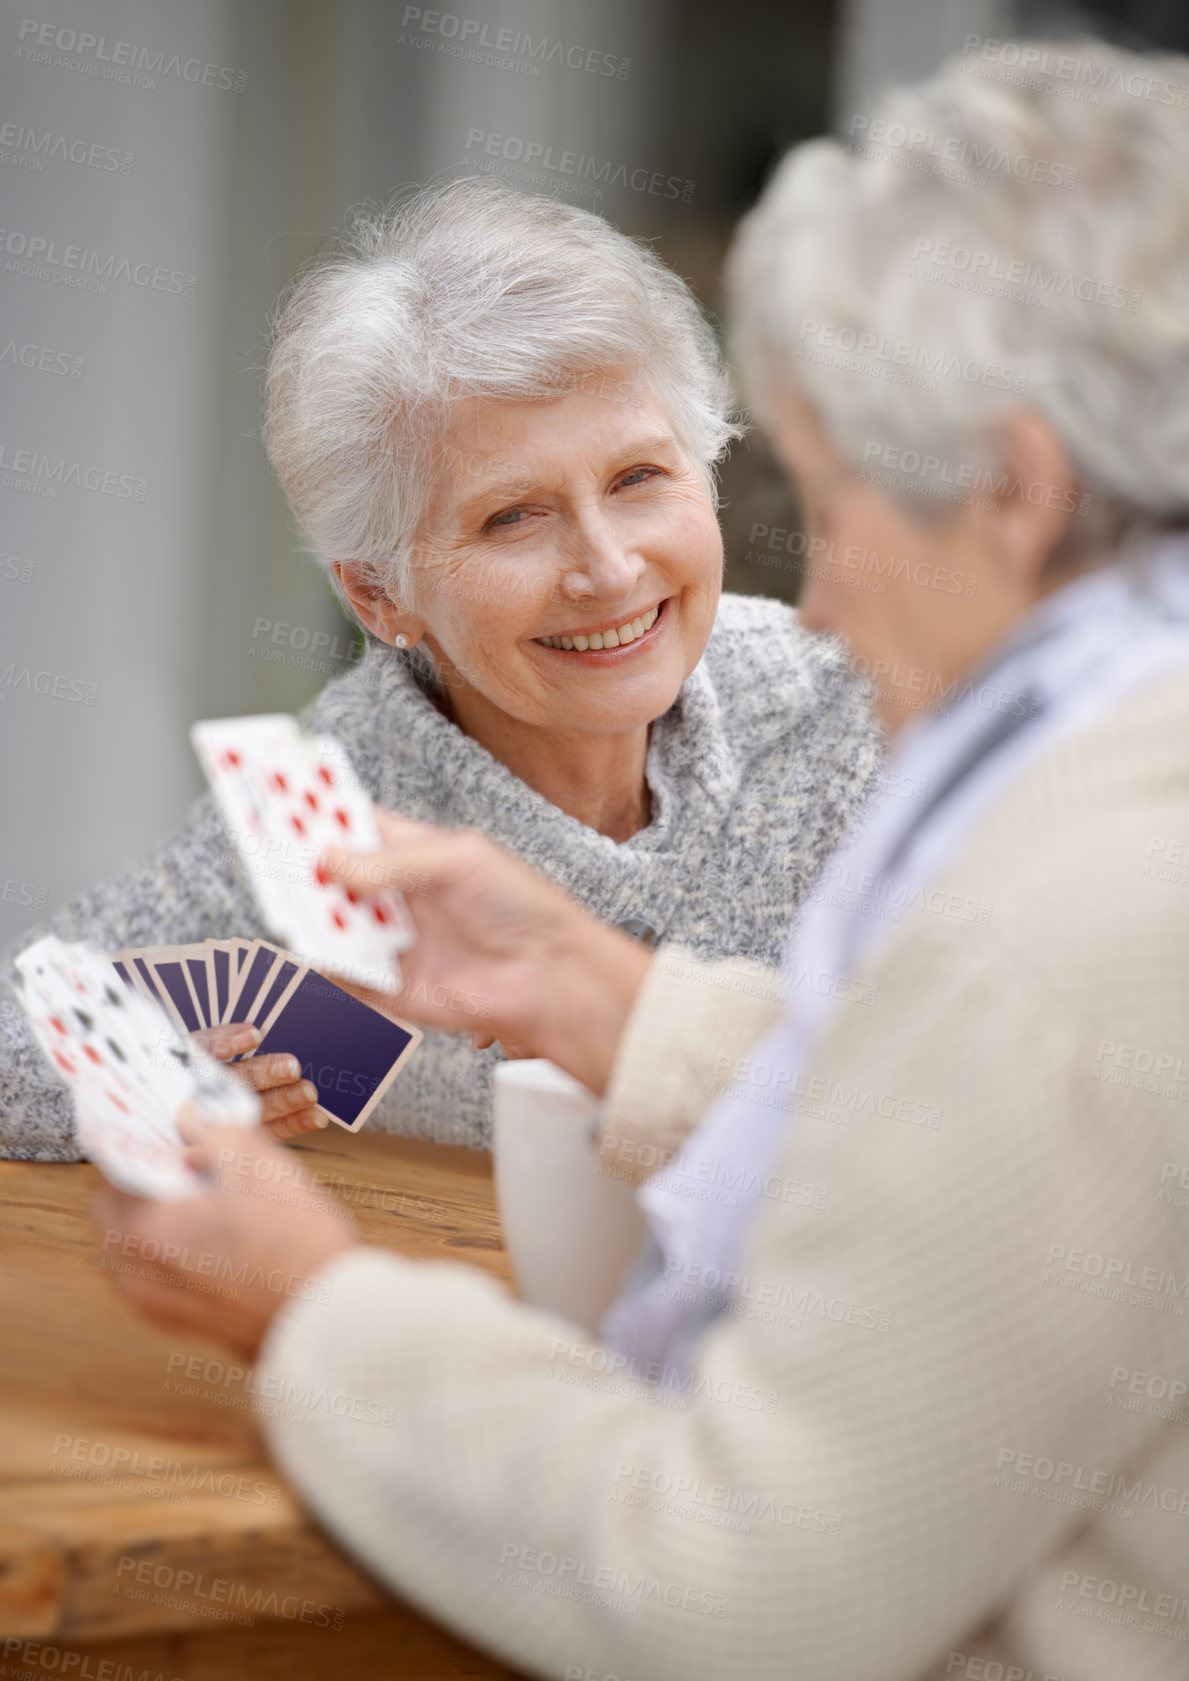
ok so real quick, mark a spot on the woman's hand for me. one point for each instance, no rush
(223, 1264)
(289, 1104)
(503, 952)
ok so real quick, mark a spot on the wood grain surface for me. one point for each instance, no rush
(141, 1523)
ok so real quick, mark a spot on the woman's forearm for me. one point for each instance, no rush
(595, 982)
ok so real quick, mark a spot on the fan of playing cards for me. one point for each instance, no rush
(284, 798)
(348, 1051)
(127, 1067)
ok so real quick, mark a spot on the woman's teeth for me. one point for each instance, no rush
(605, 639)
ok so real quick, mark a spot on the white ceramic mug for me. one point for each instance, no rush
(569, 1229)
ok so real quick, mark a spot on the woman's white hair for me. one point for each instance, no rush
(1012, 233)
(468, 289)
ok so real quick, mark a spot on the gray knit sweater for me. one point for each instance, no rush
(754, 771)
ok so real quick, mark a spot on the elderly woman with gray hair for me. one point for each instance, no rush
(497, 420)
(914, 1307)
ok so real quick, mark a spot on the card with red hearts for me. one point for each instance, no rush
(284, 798)
(127, 1067)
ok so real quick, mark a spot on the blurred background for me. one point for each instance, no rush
(165, 165)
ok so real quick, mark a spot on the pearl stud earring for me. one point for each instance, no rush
(401, 641)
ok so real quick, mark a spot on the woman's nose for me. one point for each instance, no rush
(602, 565)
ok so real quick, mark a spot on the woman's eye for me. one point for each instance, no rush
(510, 516)
(637, 476)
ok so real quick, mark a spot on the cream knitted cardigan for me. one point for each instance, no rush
(927, 1443)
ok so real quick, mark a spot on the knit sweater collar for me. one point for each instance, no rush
(421, 761)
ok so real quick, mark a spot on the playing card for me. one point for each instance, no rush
(284, 799)
(168, 988)
(262, 959)
(126, 1067)
(177, 994)
(218, 969)
(196, 969)
(238, 951)
(102, 1033)
(277, 988)
(139, 975)
(95, 1036)
(351, 1052)
(237, 754)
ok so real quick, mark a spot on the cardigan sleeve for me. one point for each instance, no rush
(691, 1020)
(837, 1489)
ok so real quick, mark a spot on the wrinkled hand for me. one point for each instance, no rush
(503, 953)
(224, 1263)
(289, 1104)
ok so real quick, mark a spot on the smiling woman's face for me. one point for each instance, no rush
(568, 572)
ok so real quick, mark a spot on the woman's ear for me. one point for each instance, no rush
(1037, 497)
(374, 608)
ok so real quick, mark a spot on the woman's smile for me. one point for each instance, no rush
(610, 641)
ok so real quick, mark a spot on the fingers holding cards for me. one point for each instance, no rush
(288, 1102)
(225, 1042)
(309, 1049)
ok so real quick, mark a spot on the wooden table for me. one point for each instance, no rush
(86, 1386)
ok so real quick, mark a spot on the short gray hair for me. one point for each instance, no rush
(1044, 187)
(467, 289)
